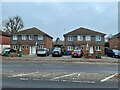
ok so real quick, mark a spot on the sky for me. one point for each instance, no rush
(58, 18)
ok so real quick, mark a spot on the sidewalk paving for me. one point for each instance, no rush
(63, 59)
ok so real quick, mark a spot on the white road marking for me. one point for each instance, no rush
(84, 81)
(107, 78)
(23, 74)
(64, 76)
(78, 75)
(23, 78)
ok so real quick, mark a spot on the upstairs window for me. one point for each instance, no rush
(40, 37)
(88, 38)
(70, 38)
(79, 38)
(98, 37)
(14, 37)
(31, 37)
(24, 37)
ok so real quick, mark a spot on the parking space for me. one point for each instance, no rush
(63, 76)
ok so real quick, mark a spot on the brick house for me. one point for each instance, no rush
(114, 41)
(29, 40)
(91, 42)
(4, 40)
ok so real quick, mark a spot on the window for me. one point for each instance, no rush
(23, 46)
(80, 38)
(14, 37)
(70, 38)
(98, 37)
(88, 38)
(15, 47)
(31, 37)
(24, 37)
(40, 46)
(82, 47)
(40, 37)
(27, 47)
(70, 48)
(98, 48)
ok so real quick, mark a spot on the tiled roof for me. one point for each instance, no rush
(31, 31)
(84, 31)
(4, 34)
(116, 35)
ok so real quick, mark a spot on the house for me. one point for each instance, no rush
(114, 41)
(91, 42)
(29, 40)
(4, 40)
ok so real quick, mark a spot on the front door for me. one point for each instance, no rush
(91, 50)
(32, 50)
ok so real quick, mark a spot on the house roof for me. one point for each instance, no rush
(31, 31)
(116, 35)
(83, 31)
(4, 34)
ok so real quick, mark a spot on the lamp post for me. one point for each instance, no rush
(87, 49)
(36, 45)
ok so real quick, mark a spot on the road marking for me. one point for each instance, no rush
(78, 75)
(64, 76)
(23, 78)
(107, 78)
(84, 81)
(23, 74)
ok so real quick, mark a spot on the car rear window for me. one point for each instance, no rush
(41, 50)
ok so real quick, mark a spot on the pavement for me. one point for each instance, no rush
(31, 71)
(58, 75)
(61, 59)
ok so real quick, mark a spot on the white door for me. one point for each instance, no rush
(33, 50)
(30, 50)
(91, 49)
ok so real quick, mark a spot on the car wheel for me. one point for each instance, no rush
(113, 56)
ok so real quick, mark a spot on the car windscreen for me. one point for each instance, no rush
(41, 50)
(77, 51)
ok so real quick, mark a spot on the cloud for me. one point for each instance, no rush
(60, 17)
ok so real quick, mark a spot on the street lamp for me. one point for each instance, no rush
(87, 49)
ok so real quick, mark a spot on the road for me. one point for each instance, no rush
(58, 75)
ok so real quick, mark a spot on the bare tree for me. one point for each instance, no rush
(13, 24)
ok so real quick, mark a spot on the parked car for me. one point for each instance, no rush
(77, 53)
(8, 51)
(43, 51)
(113, 53)
(106, 50)
(56, 52)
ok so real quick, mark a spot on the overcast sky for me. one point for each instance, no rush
(58, 18)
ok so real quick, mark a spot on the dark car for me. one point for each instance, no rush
(57, 52)
(113, 53)
(77, 53)
(7, 51)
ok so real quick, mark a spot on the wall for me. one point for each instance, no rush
(114, 43)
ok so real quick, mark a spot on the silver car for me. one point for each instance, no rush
(43, 51)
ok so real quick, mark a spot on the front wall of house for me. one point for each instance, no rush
(92, 39)
(35, 38)
(115, 43)
(48, 43)
(5, 40)
(97, 43)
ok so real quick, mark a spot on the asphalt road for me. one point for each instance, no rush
(58, 75)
